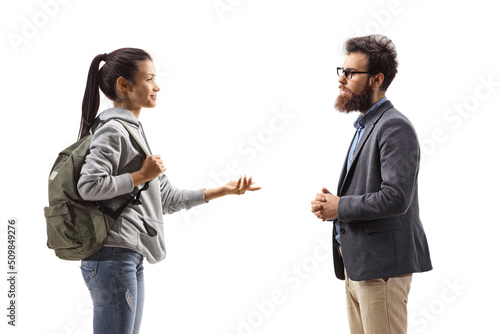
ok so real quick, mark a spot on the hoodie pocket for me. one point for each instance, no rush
(151, 231)
(150, 228)
(150, 240)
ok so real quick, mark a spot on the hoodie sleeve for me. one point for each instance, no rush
(98, 178)
(174, 199)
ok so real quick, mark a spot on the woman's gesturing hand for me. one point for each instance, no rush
(239, 187)
(231, 188)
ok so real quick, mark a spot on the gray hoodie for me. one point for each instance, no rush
(105, 177)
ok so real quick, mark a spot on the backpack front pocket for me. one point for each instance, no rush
(62, 230)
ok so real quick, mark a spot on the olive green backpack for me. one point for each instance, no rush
(77, 228)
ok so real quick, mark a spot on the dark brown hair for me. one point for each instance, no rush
(381, 53)
(119, 63)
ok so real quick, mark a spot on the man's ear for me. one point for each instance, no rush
(377, 80)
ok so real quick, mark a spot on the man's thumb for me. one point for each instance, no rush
(325, 191)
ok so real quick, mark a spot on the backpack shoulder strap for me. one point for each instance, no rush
(98, 123)
(134, 137)
(135, 198)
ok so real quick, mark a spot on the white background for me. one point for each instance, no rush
(224, 73)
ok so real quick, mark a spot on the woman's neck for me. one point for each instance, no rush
(135, 111)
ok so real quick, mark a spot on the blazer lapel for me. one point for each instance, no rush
(368, 130)
(344, 170)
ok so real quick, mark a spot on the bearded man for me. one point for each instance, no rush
(378, 238)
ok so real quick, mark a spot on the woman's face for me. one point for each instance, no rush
(142, 94)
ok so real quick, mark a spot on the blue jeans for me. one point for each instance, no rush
(115, 278)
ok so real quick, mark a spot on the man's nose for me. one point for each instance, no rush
(342, 79)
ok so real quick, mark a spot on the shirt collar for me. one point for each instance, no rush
(361, 121)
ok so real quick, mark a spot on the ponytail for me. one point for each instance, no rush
(91, 98)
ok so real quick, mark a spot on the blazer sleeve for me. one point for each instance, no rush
(99, 179)
(399, 155)
(174, 199)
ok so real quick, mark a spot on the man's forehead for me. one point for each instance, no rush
(356, 60)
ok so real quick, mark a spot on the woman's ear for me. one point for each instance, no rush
(121, 84)
(122, 87)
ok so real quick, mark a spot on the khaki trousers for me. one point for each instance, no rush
(378, 306)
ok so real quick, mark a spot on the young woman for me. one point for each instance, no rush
(115, 168)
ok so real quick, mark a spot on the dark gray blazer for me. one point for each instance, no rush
(380, 229)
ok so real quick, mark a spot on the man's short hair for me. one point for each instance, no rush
(381, 53)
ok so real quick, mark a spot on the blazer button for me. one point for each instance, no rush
(342, 230)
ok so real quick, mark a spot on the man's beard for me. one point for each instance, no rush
(355, 101)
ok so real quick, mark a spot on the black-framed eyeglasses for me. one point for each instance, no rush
(347, 72)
